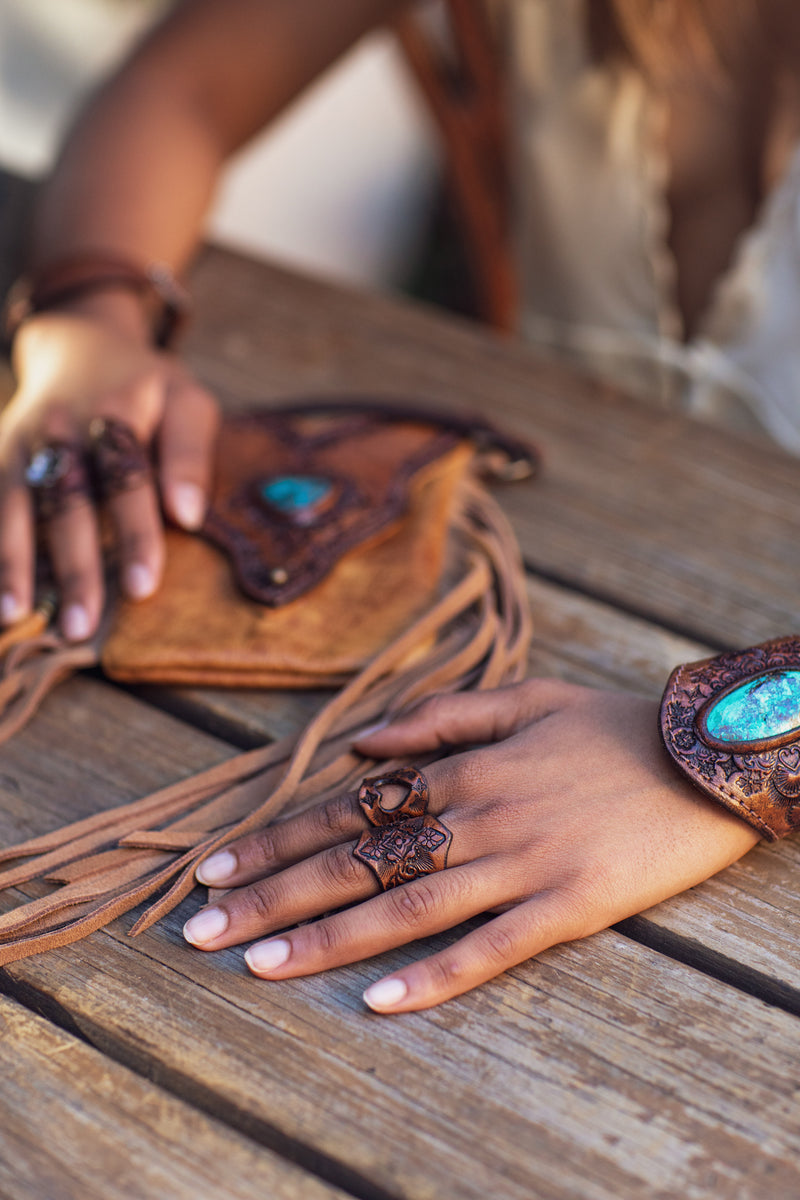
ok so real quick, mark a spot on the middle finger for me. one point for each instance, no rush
(73, 543)
(328, 880)
(338, 820)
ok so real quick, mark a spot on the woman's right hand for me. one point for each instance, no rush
(72, 367)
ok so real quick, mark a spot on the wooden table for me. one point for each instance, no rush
(659, 1059)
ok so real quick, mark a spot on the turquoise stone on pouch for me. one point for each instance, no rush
(298, 497)
(764, 707)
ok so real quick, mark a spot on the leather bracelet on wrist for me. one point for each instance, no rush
(80, 275)
(732, 725)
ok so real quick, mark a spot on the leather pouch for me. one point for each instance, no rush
(347, 545)
(325, 538)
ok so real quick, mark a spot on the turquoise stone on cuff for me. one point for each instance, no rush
(767, 706)
(298, 497)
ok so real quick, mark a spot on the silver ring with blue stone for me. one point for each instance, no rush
(732, 726)
(58, 476)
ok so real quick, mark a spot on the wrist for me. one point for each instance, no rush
(731, 724)
(117, 309)
(107, 286)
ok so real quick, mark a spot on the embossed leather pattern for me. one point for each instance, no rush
(350, 575)
(361, 465)
(758, 779)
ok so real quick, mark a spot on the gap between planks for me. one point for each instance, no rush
(587, 641)
(243, 1040)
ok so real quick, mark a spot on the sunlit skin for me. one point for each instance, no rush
(571, 817)
(135, 178)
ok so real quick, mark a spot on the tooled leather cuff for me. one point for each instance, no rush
(732, 725)
(79, 275)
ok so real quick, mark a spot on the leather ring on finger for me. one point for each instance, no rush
(407, 841)
(413, 804)
(120, 461)
(58, 475)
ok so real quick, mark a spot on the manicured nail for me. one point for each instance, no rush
(217, 869)
(75, 623)
(139, 581)
(266, 956)
(386, 993)
(188, 504)
(370, 729)
(10, 609)
(206, 926)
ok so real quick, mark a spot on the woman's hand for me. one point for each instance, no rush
(71, 368)
(568, 818)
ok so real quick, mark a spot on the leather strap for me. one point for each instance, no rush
(81, 274)
(475, 637)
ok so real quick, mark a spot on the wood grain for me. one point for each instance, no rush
(659, 514)
(601, 1070)
(74, 1125)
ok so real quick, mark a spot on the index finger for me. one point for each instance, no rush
(452, 781)
(17, 542)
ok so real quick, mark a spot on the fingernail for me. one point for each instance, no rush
(387, 993)
(75, 623)
(370, 729)
(266, 956)
(139, 581)
(217, 868)
(188, 504)
(10, 609)
(206, 926)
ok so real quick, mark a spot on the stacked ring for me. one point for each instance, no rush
(59, 477)
(407, 841)
(120, 461)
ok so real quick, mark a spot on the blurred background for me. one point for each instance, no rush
(342, 185)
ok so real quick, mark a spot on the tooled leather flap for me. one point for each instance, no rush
(295, 491)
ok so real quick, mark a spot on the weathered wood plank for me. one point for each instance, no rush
(684, 524)
(575, 638)
(600, 1070)
(74, 1125)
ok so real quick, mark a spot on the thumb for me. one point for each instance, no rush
(186, 443)
(466, 717)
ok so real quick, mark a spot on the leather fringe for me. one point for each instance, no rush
(475, 637)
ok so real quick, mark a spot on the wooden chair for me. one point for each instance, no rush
(464, 87)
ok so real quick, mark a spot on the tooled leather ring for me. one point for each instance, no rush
(407, 841)
(120, 461)
(58, 475)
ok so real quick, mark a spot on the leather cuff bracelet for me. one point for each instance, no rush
(732, 725)
(70, 278)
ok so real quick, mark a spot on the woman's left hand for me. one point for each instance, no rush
(569, 818)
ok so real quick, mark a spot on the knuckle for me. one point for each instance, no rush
(134, 544)
(258, 901)
(260, 848)
(342, 869)
(433, 709)
(444, 973)
(467, 775)
(336, 817)
(325, 937)
(500, 946)
(74, 581)
(414, 903)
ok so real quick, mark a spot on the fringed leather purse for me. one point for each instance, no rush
(347, 545)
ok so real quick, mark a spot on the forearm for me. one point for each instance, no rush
(138, 171)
